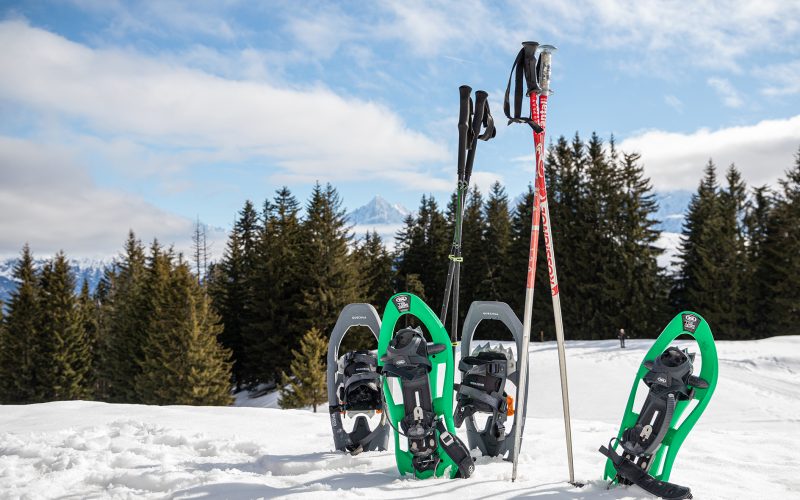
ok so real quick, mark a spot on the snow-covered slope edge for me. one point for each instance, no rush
(743, 447)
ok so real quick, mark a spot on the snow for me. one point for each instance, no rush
(744, 446)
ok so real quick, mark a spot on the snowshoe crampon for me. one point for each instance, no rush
(648, 440)
(418, 389)
(354, 389)
(484, 373)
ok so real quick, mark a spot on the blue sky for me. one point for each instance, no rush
(149, 114)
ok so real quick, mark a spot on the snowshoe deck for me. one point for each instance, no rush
(683, 417)
(437, 384)
(362, 437)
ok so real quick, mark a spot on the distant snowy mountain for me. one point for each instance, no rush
(381, 216)
(90, 270)
(378, 211)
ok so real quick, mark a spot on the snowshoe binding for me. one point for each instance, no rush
(650, 440)
(484, 373)
(354, 389)
(418, 389)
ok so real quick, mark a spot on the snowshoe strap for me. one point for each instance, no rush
(456, 450)
(466, 398)
(360, 379)
(407, 355)
(524, 67)
(482, 388)
(631, 472)
(652, 425)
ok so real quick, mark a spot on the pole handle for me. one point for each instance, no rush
(464, 116)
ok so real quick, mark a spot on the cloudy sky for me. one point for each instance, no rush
(146, 115)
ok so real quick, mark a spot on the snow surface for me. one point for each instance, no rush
(744, 446)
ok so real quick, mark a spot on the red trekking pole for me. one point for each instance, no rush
(537, 74)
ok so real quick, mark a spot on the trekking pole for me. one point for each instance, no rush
(525, 65)
(537, 75)
(464, 129)
(480, 119)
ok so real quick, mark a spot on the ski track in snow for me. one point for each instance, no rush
(744, 446)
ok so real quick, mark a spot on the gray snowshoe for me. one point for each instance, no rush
(485, 369)
(354, 388)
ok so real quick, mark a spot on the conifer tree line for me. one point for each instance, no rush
(148, 334)
(160, 330)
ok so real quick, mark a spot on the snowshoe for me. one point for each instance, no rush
(484, 373)
(650, 439)
(354, 389)
(418, 389)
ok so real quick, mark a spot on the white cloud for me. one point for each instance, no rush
(484, 180)
(309, 132)
(49, 201)
(670, 36)
(729, 95)
(675, 160)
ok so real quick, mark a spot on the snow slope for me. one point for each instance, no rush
(743, 447)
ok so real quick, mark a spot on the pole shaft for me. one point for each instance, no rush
(528, 312)
(553, 278)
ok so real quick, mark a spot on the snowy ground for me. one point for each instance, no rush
(744, 446)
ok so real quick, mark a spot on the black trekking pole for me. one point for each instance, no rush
(469, 131)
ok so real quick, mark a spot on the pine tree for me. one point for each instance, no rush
(306, 384)
(474, 268)
(182, 362)
(64, 356)
(696, 287)
(731, 253)
(124, 323)
(233, 290)
(603, 293)
(19, 373)
(89, 314)
(516, 270)
(643, 310)
(375, 264)
(277, 292)
(403, 257)
(781, 263)
(325, 247)
(496, 238)
(757, 224)
(424, 242)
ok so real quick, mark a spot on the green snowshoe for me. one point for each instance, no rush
(418, 392)
(650, 439)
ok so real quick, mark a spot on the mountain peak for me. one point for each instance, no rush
(378, 211)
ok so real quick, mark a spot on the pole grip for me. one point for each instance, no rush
(544, 67)
(464, 112)
(529, 64)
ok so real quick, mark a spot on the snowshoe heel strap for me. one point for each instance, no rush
(456, 450)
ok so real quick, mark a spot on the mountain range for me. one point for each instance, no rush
(90, 270)
(378, 215)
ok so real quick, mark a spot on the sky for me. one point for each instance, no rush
(149, 115)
